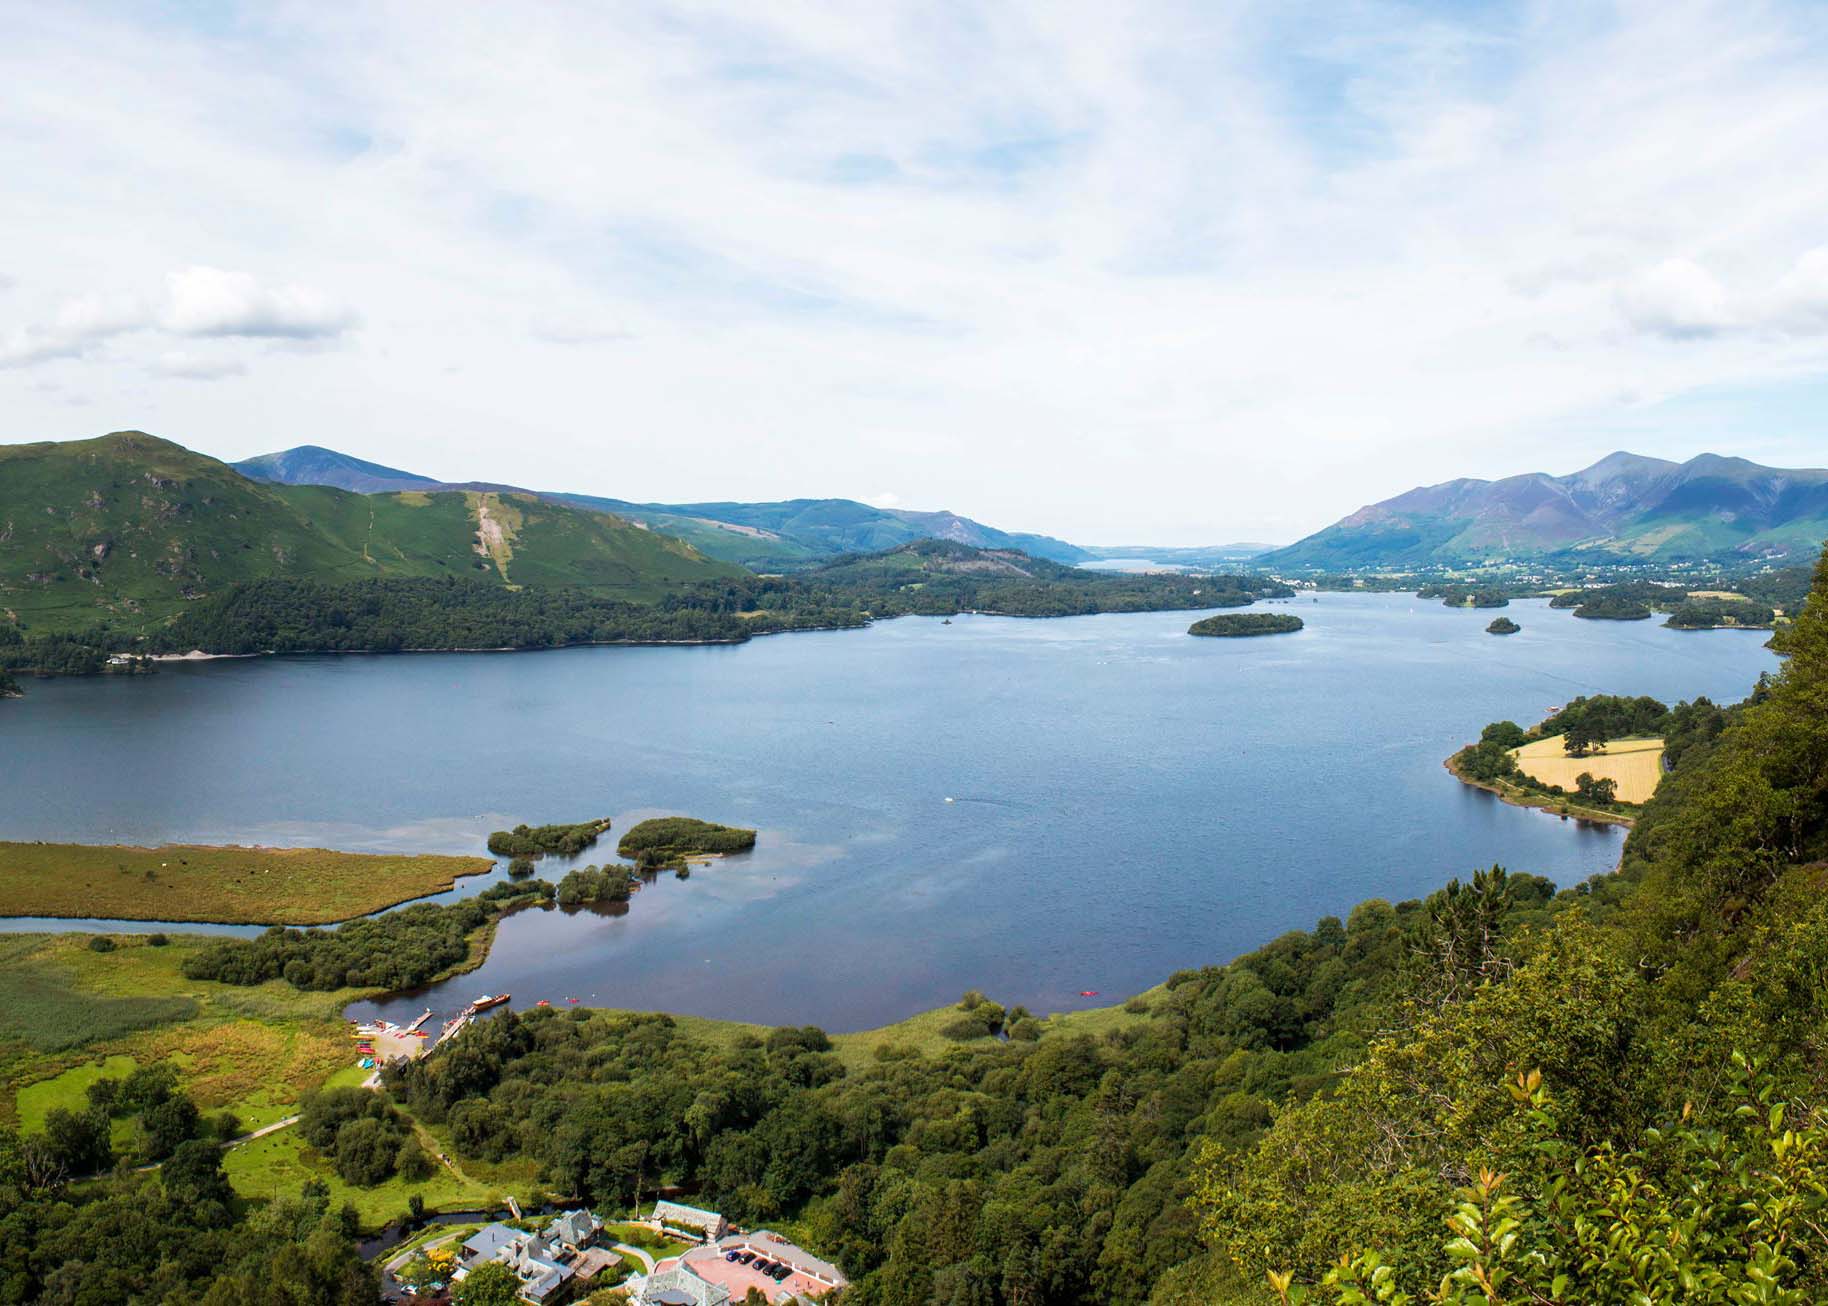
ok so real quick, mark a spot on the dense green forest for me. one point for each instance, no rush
(399, 949)
(1710, 614)
(177, 1235)
(1502, 626)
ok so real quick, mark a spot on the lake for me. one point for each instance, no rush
(1032, 808)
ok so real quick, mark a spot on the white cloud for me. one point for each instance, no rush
(1801, 298)
(1176, 272)
(562, 330)
(192, 367)
(886, 499)
(75, 328)
(1676, 298)
(206, 301)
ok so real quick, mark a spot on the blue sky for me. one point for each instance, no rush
(1147, 272)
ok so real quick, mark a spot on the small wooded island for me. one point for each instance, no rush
(1235, 624)
(669, 840)
(1503, 626)
(540, 840)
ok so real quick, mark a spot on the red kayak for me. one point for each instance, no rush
(1088, 993)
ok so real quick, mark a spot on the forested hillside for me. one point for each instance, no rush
(390, 614)
(127, 530)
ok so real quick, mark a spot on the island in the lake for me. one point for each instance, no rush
(529, 841)
(670, 840)
(1503, 626)
(1233, 625)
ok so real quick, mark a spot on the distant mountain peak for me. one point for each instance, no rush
(1624, 463)
(1624, 507)
(313, 464)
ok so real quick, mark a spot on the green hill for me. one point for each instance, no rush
(783, 536)
(128, 529)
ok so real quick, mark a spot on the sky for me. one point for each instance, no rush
(1119, 272)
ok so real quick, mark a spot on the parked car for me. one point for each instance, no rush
(745, 1257)
(780, 1272)
(763, 1267)
(729, 1256)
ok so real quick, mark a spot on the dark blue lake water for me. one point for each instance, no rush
(1126, 799)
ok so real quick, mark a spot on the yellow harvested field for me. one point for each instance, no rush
(1635, 765)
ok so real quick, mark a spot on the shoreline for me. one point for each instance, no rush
(198, 655)
(1552, 806)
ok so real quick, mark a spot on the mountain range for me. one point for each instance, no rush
(128, 528)
(1624, 508)
(762, 536)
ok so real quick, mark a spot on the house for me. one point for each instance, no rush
(543, 1262)
(717, 1273)
(486, 1243)
(574, 1230)
(676, 1287)
(535, 1262)
(709, 1224)
(815, 1276)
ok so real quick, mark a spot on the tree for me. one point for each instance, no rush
(194, 1174)
(1603, 791)
(489, 1284)
(1582, 735)
(166, 1124)
(78, 1142)
(365, 1151)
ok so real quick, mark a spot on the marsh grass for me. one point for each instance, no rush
(189, 882)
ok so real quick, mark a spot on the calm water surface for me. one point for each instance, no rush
(1126, 800)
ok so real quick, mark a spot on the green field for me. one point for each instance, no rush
(68, 1090)
(188, 882)
(67, 1014)
(280, 1164)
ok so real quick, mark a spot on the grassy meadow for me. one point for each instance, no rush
(231, 885)
(1635, 765)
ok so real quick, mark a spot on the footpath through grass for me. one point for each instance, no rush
(237, 886)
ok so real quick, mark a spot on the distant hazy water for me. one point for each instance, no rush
(1128, 799)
